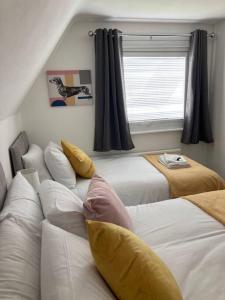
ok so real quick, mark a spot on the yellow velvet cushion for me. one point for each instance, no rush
(129, 266)
(80, 161)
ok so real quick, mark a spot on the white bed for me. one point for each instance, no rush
(189, 241)
(134, 179)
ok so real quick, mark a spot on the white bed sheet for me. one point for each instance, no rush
(134, 179)
(189, 241)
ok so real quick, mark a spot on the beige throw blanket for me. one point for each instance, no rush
(187, 181)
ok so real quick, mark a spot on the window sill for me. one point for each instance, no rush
(156, 126)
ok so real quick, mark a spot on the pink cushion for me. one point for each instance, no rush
(103, 204)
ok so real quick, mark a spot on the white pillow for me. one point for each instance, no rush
(34, 158)
(20, 251)
(55, 145)
(60, 167)
(23, 201)
(67, 268)
(62, 208)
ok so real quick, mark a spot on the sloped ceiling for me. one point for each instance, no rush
(30, 29)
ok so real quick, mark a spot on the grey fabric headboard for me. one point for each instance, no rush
(18, 148)
(3, 187)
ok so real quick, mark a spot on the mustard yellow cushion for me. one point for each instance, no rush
(80, 161)
(129, 266)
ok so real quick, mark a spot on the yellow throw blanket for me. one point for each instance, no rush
(213, 203)
(187, 181)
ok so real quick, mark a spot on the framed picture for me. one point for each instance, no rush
(69, 87)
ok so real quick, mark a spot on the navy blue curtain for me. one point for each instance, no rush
(111, 125)
(197, 125)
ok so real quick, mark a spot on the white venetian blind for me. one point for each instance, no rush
(155, 87)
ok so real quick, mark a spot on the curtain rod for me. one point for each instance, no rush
(210, 35)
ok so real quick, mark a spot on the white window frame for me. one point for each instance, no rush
(166, 125)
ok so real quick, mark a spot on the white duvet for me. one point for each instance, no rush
(134, 179)
(189, 241)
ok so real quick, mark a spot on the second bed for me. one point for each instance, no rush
(136, 179)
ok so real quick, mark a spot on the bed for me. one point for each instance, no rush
(188, 240)
(133, 178)
(20, 234)
(136, 179)
(191, 242)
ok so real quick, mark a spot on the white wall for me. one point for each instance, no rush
(9, 129)
(76, 51)
(29, 31)
(216, 151)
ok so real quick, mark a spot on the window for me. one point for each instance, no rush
(155, 87)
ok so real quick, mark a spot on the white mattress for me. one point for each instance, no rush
(134, 179)
(189, 241)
